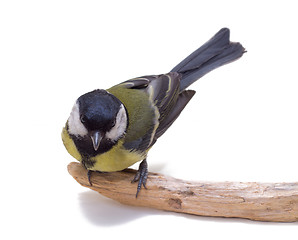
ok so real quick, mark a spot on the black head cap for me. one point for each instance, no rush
(98, 110)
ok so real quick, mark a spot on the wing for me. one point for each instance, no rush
(156, 103)
(183, 98)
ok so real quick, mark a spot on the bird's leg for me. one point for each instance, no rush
(86, 163)
(89, 176)
(141, 176)
(89, 172)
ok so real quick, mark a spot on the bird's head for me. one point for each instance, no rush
(97, 121)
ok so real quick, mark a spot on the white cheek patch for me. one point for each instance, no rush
(75, 126)
(120, 126)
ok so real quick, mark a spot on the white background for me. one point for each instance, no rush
(240, 126)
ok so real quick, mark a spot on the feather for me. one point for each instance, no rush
(216, 52)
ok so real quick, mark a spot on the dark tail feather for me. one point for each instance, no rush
(213, 54)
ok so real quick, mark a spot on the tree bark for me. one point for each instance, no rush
(275, 202)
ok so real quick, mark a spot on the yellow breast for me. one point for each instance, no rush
(70, 146)
(117, 159)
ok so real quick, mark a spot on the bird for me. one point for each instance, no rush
(110, 130)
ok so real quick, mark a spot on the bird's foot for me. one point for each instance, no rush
(141, 176)
(89, 172)
(89, 176)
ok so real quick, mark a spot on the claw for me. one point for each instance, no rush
(141, 176)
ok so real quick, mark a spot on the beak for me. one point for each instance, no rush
(96, 138)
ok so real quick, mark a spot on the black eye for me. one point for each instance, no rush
(83, 118)
(113, 123)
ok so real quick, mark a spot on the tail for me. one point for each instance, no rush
(213, 54)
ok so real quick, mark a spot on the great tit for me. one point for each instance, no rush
(110, 130)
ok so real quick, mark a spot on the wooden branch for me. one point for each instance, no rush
(276, 202)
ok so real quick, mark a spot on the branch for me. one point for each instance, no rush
(275, 202)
